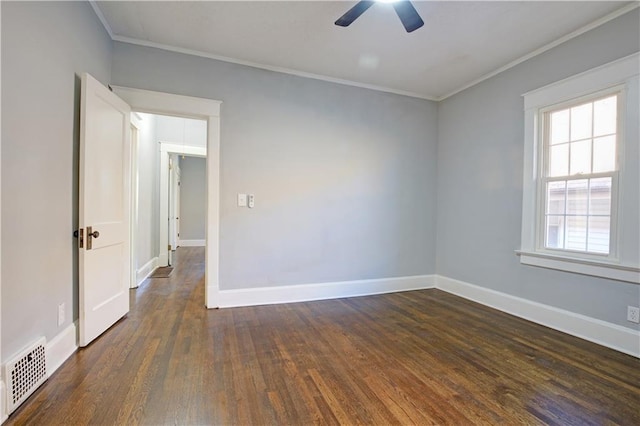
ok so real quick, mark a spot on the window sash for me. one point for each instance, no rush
(544, 119)
(613, 222)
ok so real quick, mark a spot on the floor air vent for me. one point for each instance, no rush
(25, 373)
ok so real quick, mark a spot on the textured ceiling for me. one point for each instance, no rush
(460, 43)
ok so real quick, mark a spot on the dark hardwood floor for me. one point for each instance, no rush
(421, 357)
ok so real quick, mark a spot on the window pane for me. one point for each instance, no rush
(556, 197)
(604, 154)
(576, 233)
(600, 196)
(581, 141)
(555, 232)
(559, 160)
(581, 122)
(560, 126)
(581, 157)
(604, 116)
(599, 228)
(577, 196)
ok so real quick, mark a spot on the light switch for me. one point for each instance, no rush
(251, 201)
(242, 200)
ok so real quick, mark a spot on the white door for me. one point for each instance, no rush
(176, 204)
(170, 211)
(104, 260)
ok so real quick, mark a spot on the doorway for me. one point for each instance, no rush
(164, 144)
(187, 207)
(151, 102)
(167, 180)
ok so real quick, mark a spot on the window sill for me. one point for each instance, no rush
(594, 268)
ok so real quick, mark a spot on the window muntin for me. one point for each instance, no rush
(579, 176)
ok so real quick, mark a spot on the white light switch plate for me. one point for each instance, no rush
(242, 200)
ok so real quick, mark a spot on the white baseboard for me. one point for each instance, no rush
(146, 270)
(613, 336)
(3, 398)
(333, 290)
(61, 347)
(191, 243)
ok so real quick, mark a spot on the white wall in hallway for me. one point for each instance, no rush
(193, 198)
(181, 131)
(148, 188)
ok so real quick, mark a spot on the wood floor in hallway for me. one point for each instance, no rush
(421, 357)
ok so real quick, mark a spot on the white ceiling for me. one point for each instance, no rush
(460, 43)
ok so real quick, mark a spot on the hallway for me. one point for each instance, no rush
(420, 357)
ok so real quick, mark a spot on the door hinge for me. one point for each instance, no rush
(79, 234)
(169, 247)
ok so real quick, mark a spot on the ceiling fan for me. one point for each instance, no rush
(405, 10)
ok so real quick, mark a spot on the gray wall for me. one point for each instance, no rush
(344, 178)
(480, 163)
(148, 224)
(193, 197)
(44, 48)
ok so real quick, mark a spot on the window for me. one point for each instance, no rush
(581, 197)
(579, 175)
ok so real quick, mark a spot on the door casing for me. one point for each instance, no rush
(204, 109)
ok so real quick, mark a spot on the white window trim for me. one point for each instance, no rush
(623, 265)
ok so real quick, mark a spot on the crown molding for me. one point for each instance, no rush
(102, 19)
(282, 70)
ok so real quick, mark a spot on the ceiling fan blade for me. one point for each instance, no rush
(408, 15)
(353, 13)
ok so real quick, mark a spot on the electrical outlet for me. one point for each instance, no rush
(61, 314)
(633, 314)
(251, 201)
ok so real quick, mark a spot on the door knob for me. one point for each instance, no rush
(91, 234)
